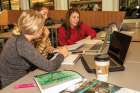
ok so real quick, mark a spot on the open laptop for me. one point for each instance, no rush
(92, 48)
(117, 51)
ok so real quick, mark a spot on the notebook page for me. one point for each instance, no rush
(71, 59)
(74, 46)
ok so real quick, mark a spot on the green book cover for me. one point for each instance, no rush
(57, 81)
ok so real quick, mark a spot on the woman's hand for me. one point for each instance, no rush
(63, 51)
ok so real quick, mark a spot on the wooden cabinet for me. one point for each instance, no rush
(95, 5)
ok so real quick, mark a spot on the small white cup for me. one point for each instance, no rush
(102, 67)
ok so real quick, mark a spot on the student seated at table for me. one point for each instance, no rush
(19, 55)
(73, 30)
(43, 45)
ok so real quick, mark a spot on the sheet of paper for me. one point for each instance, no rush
(74, 46)
(71, 59)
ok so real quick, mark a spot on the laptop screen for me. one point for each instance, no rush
(119, 46)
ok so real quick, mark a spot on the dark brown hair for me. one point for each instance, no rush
(66, 23)
(38, 6)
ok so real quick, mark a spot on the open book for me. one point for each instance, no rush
(57, 81)
(97, 86)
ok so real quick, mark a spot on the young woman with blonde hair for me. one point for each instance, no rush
(19, 56)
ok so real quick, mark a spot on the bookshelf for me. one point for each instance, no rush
(131, 7)
(95, 5)
(49, 3)
(5, 4)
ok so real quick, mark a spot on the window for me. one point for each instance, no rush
(132, 8)
(9, 4)
(5, 4)
(15, 4)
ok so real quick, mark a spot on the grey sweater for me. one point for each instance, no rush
(17, 57)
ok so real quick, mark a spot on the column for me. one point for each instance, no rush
(110, 5)
(24, 4)
(61, 4)
(115, 5)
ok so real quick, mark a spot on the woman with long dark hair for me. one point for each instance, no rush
(73, 29)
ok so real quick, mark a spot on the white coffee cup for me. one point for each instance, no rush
(102, 67)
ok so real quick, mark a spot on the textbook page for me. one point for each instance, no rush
(71, 59)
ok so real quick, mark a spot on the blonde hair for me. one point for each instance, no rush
(29, 22)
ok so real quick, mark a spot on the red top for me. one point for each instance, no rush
(75, 35)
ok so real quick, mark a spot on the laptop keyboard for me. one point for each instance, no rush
(96, 47)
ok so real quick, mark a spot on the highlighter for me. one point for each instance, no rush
(25, 85)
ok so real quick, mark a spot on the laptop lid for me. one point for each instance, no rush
(119, 46)
(117, 51)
